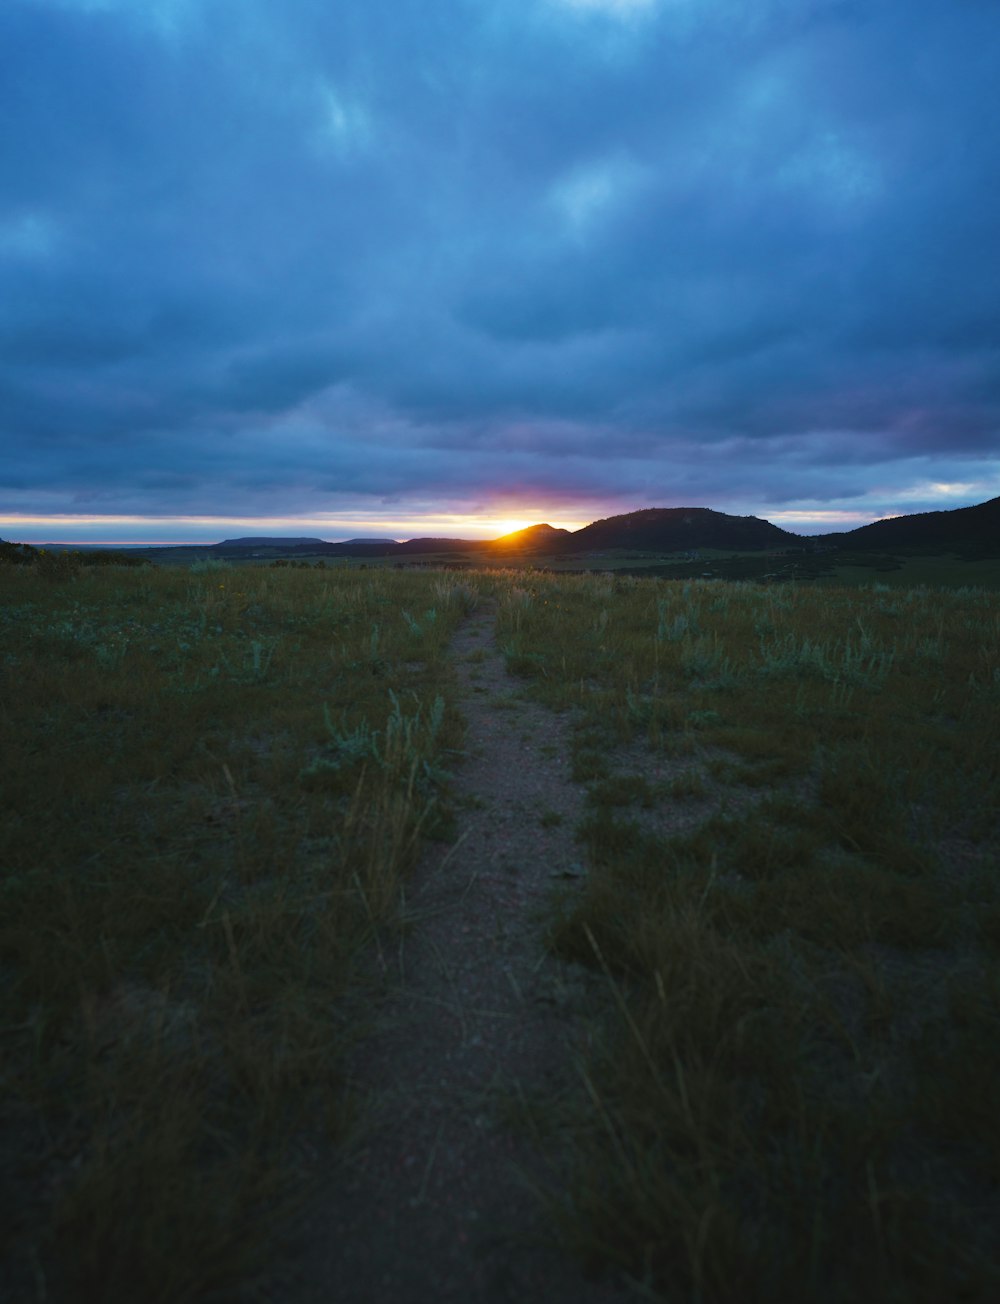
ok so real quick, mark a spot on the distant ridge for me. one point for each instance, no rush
(439, 545)
(967, 528)
(535, 538)
(973, 530)
(669, 529)
(265, 541)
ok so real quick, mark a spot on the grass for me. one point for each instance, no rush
(788, 1097)
(214, 781)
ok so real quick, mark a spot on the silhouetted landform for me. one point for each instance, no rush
(264, 541)
(435, 545)
(973, 531)
(58, 561)
(674, 529)
(654, 529)
(535, 538)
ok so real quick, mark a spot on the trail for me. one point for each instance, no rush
(432, 1208)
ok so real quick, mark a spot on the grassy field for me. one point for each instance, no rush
(215, 780)
(836, 569)
(794, 841)
(915, 571)
(213, 784)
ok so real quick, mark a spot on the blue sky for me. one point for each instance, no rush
(345, 267)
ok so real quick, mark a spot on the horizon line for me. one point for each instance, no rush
(821, 522)
(122, 545)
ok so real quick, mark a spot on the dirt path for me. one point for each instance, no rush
(432, 1207)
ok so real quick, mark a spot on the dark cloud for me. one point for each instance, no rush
(443, 252)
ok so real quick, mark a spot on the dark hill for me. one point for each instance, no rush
(967, 529)
(670, 529)
(438, 545)
(972, 531)
(534, 538)
(263, 541)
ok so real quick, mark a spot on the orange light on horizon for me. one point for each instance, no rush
(147, 531)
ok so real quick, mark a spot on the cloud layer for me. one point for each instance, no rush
(389, 257)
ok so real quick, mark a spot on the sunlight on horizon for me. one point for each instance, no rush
(504, 517)
(178, 531)
(511, 526)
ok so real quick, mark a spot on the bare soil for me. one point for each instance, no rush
(437, 1200)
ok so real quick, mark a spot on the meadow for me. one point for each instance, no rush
(216, 780)
(793, 849)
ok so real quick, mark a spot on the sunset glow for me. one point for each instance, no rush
(172, 531)
(511, 526)
(109, 531)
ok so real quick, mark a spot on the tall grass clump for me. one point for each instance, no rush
(214, 781)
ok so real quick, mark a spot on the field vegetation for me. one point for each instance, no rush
(822, 568)
(216, 779)
(793, 842)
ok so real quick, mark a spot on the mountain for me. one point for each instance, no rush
(963, 528)
(439, 545)
(972, 530)
(670, 529)
(535, 538)
(263, 541)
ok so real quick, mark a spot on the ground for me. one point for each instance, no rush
(438, 1200)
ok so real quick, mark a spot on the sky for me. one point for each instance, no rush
(423, 267)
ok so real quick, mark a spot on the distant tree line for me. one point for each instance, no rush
(65, 560)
